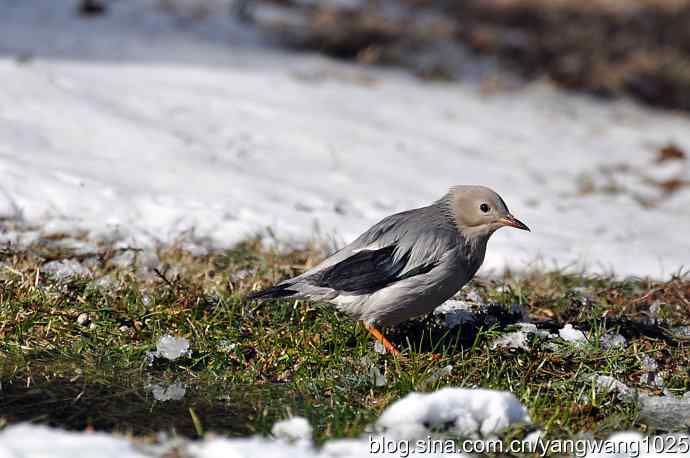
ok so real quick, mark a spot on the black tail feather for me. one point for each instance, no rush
(274, 292)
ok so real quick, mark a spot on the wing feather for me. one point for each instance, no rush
(369, 270)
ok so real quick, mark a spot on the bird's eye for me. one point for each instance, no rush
(484, 208)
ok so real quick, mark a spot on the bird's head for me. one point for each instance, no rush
(479, 211)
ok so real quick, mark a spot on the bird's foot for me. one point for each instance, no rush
(378, 335)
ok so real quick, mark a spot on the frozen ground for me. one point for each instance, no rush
(146, 125)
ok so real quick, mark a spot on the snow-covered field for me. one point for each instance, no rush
(148, 126)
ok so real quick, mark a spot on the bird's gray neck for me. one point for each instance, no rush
(445, 206)
(471, 255)
(473, 239)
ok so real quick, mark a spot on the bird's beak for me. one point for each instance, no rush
(512, 221)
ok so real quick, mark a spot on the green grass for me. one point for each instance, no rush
(252, 364)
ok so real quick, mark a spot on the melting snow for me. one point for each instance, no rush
(34, 441)
(512, 340)
(471, 413)
(210, 152)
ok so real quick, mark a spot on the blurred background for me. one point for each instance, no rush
(603, 47)
(150, 121)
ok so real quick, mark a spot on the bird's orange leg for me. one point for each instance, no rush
(378, 335)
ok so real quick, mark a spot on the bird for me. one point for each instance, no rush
(407, 264)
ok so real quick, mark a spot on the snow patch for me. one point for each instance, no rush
(470, 413)
(35, 441)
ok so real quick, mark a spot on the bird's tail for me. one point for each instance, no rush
(274, 292)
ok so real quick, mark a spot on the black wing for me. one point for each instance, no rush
(274, 292)
(368, 270)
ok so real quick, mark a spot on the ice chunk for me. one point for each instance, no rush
(514, 340)
(171, 348)
(519, 339)
(570, 334)
(655, 311)
(612, 341)
(226, 346)
(471, 413)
